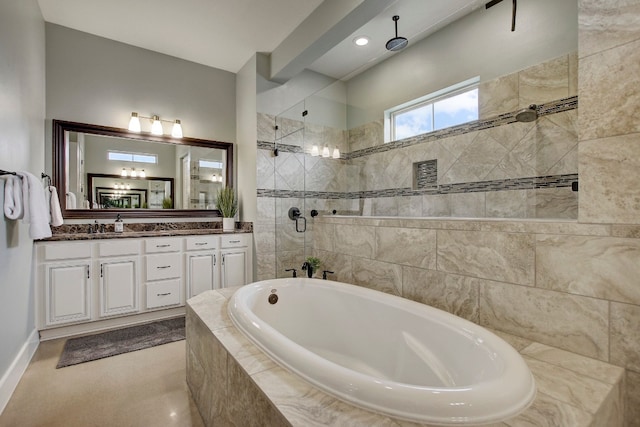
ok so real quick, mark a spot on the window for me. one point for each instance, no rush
(211, 164)
(442, 109)
(132, 157)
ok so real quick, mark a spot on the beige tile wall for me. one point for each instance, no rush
(569, 285)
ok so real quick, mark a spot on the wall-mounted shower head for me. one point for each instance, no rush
(528, 114)
(397, 43)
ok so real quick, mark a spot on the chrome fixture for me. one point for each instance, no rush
(397, 43)
(528, 114)
(156, 125)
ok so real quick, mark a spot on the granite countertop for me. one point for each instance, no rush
(79, 231)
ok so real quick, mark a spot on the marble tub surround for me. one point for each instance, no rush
(234, 383)
(79, 231)
(564, 284)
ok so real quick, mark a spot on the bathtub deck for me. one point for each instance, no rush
(233, 382)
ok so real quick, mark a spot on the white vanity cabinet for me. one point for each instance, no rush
(201, 264)
(88, 285)
(65, 292)
(163, 272)
(235, 262)
(119, 291)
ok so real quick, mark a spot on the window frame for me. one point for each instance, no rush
(133, 157)
(429, 99)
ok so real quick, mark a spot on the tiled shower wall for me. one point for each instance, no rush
(290, 179)
(487, 169)
(569, 285)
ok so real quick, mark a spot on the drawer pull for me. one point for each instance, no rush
(234, 241)
(162, 246)
(163, 266)
(201, 243)
(164, 294)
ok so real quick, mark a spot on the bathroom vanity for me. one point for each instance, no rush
(101, 281)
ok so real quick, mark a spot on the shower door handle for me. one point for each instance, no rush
(304, 224)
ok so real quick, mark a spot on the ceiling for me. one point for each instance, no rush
(220, 34)
(226, 34)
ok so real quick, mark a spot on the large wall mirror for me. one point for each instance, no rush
(103, 171)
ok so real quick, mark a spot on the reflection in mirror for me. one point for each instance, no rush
(114, 191)
(100, 169)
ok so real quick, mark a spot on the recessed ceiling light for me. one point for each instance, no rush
(361, 40)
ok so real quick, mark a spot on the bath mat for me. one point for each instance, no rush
(107, 344)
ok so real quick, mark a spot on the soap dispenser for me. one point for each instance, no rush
(119, 225)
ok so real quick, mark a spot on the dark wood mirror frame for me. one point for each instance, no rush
(60, 170)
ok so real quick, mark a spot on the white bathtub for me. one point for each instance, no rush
(384, 353)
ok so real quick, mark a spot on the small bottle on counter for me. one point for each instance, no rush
(119, 225)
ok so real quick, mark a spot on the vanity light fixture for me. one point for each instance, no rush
(133, 174)
(336, 153)
(156, 125)
(314, 151)
(325, 151)
(176, 130)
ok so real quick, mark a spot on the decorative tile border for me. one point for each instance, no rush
(530, 183)
(553, 107)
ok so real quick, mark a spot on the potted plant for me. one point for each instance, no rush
(228, 207)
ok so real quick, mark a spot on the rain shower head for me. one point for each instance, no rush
(397, 43)
(528, 114)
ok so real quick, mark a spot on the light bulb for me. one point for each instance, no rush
(134, 123)
(156, 127)
(124, 172)
(115, 186)
(128, 187)
(176, 131)
(325, 151)
(336, 153)
(142, 174)
(314, 151)
(133, 173)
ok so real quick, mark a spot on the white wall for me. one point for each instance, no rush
(480, 44)
(22, 108)
(96, 148)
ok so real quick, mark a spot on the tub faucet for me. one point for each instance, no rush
(325, 272)
(295, 272)
(308, 268)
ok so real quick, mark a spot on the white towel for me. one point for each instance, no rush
(71, 201)
(36, 211)
(54, 207)
(13, 197)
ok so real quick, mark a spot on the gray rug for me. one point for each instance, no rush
(94, 347)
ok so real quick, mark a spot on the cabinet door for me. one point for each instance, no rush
(234, 264)
(67, 293)
(201, 273)
(118, 287)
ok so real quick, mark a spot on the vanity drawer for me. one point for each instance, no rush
(165, 266)
(198, 243)
(163, 293)
(123, 247)
(170, 244)
(67, 251)
(234, 240)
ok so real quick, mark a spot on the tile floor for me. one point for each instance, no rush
(137, 389)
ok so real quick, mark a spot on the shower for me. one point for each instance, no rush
(397, 43)
(528, 114)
